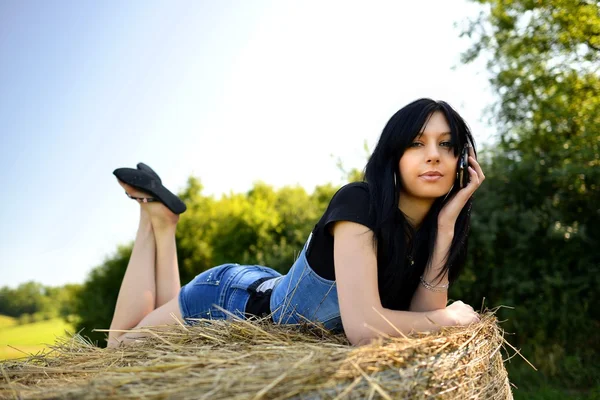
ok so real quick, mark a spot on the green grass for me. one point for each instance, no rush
(6, 321)
(29, 338)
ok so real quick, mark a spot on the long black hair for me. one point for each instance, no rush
(396, 240)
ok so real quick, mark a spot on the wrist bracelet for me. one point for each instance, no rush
(429, 286)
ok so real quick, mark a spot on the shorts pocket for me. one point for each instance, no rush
(202, 295)
(212, 276)
(267, 270)
(200, 301)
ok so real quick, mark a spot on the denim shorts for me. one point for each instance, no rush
(225, 286)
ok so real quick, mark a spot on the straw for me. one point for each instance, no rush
(256, 359)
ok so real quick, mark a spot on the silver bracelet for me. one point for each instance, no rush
(429, 286)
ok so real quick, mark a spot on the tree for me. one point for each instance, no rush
(536, 221)
(27, 298)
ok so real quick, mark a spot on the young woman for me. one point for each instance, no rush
(380, 259)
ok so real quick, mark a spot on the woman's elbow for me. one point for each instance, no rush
(360, 337)
(353, 337)
(362, 340)
(361, 331)
(355, 334)
(366, 341)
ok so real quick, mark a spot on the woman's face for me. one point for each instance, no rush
(428, 165)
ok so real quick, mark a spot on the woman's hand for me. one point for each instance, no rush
(457, 313)
(449, 213)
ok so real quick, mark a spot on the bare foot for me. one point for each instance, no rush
(160, 215)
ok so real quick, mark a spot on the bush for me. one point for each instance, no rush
(24, 319)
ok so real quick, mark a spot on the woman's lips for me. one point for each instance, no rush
(431, 178)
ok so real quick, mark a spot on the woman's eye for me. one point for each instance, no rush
(443, 144)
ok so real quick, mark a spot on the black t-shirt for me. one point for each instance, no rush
(349, 203)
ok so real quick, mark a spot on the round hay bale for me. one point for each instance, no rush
(242, 359)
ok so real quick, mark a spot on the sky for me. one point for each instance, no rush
(231, 92)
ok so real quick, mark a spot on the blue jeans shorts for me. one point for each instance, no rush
(226, 286)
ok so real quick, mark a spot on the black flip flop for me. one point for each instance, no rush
(144, 167)
(147, 180)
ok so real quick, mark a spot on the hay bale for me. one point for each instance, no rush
(259, 360)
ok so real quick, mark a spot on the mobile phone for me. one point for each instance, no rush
(462, 170)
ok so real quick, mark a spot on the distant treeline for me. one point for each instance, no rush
(33, 302)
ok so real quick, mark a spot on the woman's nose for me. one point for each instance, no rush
(433, 154)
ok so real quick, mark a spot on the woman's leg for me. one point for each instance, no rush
(151, 280)
(167, 268)
(137, 295)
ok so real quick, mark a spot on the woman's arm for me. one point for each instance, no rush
(427, 300)
(358, 293)
(396, 323)
(363, 316)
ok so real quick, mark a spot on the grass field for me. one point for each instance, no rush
(6, 322)
(28, 338)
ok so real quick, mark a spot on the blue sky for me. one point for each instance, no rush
(229, 91)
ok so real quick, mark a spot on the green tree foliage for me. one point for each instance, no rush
(536, 224)
(27, 298)
(32, 301)
(264, 226)
(65, 299)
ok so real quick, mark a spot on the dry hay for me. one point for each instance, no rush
(259, 360)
